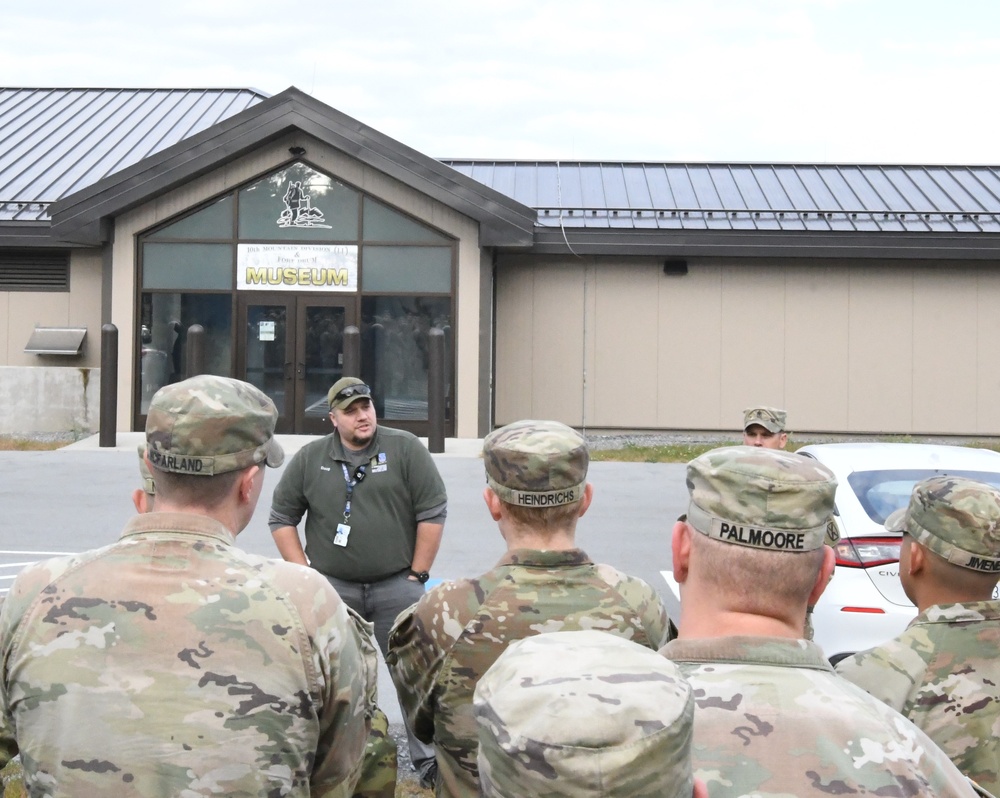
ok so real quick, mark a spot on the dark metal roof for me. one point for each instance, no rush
(630, 196)
(84, 216)
(54, 142)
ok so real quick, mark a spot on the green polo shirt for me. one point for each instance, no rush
(401, 486)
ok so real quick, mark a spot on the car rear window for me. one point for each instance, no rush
(883, 492)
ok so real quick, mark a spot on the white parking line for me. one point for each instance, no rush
(43, 553)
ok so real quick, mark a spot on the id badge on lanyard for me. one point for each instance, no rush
(344, 528)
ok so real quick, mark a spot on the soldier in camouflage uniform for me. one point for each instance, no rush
(765, 426)
(378, 772)
(172, 662)
(536, 476)
(576, 714)
(772, 718)
(943, 672)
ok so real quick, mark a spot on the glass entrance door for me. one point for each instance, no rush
(292, 348)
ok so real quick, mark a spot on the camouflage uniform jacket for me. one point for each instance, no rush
(772, 718)
(943, 673)
(440, 647)
(174, 663)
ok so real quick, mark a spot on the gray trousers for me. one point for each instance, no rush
(379, 603)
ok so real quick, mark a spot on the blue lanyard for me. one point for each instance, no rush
(359, 474)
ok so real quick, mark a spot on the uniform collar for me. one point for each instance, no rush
(178, 523)
(783, 652)
(548, 559)
(965, 612)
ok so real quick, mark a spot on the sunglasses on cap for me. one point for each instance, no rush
(352, 390)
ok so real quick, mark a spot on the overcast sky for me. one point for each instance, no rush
(886, 81)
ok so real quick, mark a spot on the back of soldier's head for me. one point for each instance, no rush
(766, 513)
(958, 521)
(204, 428)
(538, 469)
(583, 713)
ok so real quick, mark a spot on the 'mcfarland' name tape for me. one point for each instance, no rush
(181, 464)
(537, 498)
(758, 537)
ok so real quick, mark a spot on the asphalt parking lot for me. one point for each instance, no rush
(79, 497)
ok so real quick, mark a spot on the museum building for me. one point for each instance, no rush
(607, 295)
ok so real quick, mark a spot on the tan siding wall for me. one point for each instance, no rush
(22, 311)
(845, 346)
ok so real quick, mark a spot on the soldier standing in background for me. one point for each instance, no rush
(537, 489)
(771, 716)
(765, 426)
(943, 672)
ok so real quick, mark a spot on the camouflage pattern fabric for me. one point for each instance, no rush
(536, 463)
(379, 768)
(571, 714)
(773, 719)
(943, 673)
(211, 425)
(762, 498)
(957, 519)
(440, 647)
(172, 663)
(770, 418)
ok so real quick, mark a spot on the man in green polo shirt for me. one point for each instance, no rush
(374, 507)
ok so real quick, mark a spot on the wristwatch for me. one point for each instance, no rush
(422, 576)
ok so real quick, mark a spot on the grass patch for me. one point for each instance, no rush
(26, 445)
(669, 453)
(685, 452)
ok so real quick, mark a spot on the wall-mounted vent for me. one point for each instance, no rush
(34, 270)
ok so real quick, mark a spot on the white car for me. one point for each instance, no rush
(864, 604)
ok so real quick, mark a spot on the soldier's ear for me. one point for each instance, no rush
(139, 500)
(700, 790)
(918, 558)
(588, 497)
(680, 550)
(492, 503)
(823, 577)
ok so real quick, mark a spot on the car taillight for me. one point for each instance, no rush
(866, 552)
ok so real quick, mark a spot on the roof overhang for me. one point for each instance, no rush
(777, 244)
(83, 217)
(29, 235)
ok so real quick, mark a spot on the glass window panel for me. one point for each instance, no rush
(215, 221)
(324, 360)
(187, 266)
(384, 224)
(165, 320)
(411, 269)
(394, 352)
(266, 344)
(300, 204)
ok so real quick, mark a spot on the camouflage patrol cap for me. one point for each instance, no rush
(536, 463)
(360, 391)
(956, 518)
(583, 713)
(770, 418)
(763, 498)
(144, 473)
(209, 425)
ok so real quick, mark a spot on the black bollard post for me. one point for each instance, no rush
(435, 390)
(195, 350)
(109, 385)
(352, 352)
